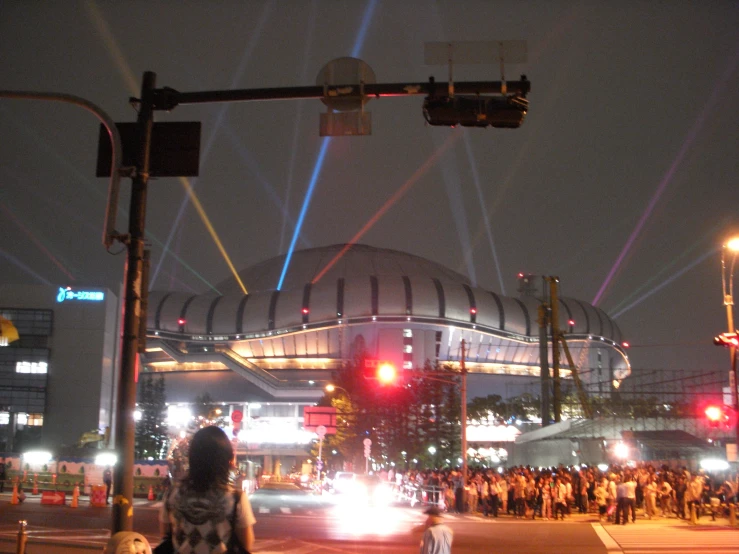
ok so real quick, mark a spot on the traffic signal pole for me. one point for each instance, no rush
(463, 394)
(132, 314)
(153, 99)
(727, 285)
(729, 301)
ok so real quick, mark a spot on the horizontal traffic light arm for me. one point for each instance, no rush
(729, 340)
(168, 98)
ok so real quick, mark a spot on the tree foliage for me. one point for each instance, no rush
(401, 420)
(151, 430)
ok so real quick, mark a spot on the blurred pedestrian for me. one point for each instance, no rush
(437, 537)
(108, 482)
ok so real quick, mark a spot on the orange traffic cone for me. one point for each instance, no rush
(151, 493)
(35, 485)
(14, 499)
(75, 497)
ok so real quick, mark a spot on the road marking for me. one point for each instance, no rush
(643, 538)
(611, 545)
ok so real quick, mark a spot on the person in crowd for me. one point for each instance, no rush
(108, 482)
(621, 515)
(681, 494)
(666, 494)
(630, 502)
(511, 504)
(202, 514)
(531, 497)
(519, 493)
(545, 492)
(494, 494)
(559, 497)
(650, 498)
(583, 497)
(694, 495)
(447, 488)
(472, 495)
(434, 482)
(612, 486)
(601, 499)
(503, 495)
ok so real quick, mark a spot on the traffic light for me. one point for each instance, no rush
(729, 340)
(382, 371)
(718, 416)
(475, 111)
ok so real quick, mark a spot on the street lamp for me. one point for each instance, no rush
(729, 254)
(332, 388)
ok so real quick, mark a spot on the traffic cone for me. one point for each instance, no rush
(75, 497)
(151, 493)
(14, 499)
(35, 485)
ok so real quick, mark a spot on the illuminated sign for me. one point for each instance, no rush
(85, 295)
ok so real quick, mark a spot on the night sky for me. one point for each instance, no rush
(622, 180)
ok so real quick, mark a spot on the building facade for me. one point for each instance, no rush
(58, 380)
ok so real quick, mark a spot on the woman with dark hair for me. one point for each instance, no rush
(202, 513)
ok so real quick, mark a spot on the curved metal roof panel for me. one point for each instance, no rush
(365, 282)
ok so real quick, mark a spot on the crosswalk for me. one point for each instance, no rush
(650, 538)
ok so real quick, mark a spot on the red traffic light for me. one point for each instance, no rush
(181, 321)
(714, 413)
(383, 371)
(386, 373)
(729, 340)
(720, 416)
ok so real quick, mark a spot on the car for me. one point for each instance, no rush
(343, 481)
(276, 497)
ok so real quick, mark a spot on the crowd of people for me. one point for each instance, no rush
(555, 493)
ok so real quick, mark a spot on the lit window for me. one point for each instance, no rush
(407, 365)
(407, 333)
(31, 367)
(4, 418)
(21, 418)
(408, 348)
(35, 420)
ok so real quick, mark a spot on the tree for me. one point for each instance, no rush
(151, 430)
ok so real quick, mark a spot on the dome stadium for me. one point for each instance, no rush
(282, 345)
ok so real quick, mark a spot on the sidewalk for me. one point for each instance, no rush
(575, 517)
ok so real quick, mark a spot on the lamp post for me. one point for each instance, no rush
(729, 254)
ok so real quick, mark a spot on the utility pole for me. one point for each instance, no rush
(554, 321)
(463, 394)
(126, 400)
(543, 321)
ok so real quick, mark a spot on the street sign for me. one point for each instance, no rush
(321, 431)
(55, 498)
(175, 148)
(313, 416)
(237, 416)
(367, 442)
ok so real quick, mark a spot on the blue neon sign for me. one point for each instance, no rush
(85, 295)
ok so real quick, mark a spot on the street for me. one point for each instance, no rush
(377, 530)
